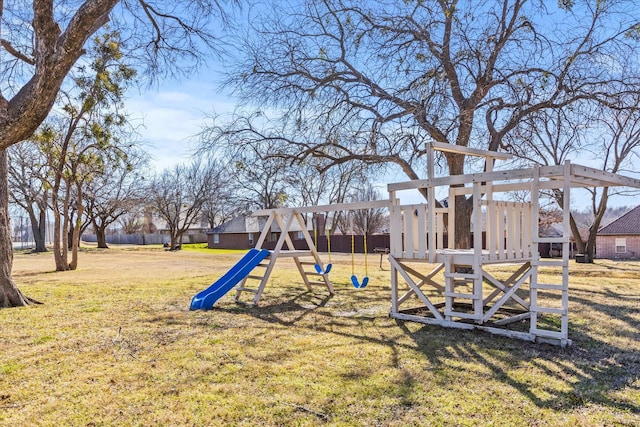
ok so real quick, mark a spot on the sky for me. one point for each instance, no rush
(170, 115)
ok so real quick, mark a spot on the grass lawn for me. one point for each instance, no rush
(114, 344)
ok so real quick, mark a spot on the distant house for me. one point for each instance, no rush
(621, 238)
(553, 250)
(240, 232)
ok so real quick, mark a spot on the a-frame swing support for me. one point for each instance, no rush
(285, 249)
(290, 219)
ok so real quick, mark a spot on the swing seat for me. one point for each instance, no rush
(357, 284)
(319, 269)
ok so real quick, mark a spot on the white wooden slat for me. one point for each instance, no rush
(414, 228)
(477, 224)
(548, 310)
(516, 213)
(440, 228)
(470, 151)
(431, 223)
(535, 236)
(459, 295)
(510, 230)
(396, 231)
(422, 232)
(547, 333)
(526, 229)
(451, 227)
(335, 207)
(491, 229)
(408, 231)
(501, 234)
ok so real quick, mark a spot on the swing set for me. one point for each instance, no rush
(435, 281)
(286, 220)
(317, 266)
(354, 279)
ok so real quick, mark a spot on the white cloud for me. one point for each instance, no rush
(170, 117)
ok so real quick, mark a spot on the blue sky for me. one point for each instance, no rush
(171, 114)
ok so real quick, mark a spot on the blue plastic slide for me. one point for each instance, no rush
(204, 300)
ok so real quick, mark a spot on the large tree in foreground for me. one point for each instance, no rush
(375, 81)
(42, 43)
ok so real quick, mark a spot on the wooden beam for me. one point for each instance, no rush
(373, 204)
(606, 179)
(468, 151)
(502, 175)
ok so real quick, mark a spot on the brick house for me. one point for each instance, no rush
(242, 232)
(621, 238)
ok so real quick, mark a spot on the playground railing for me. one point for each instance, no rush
(503, 231)
(416, 231)
(508, 229)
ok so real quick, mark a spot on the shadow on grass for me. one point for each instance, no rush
(592, 370)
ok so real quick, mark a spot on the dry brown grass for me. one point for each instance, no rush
(114, 344)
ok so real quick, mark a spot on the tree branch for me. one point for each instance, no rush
(6, 44)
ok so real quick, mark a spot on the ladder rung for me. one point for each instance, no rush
(462, 276)
(546, 333)
(255, 277)
(459, 295)
(548, 310)
(247, 290)
(307, 263)
(547, 286)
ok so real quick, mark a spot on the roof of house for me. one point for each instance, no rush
(628, 223)
(239, 224)
(251, 224)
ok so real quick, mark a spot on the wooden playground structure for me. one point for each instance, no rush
(435, 282)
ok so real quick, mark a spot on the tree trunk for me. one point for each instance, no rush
(176, 238)
(40, 231)
(60, 233)
(101, 235)
(75, 241)
(10, 295)
(463, 205)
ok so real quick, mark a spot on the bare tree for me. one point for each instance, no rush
(220, 205)
(373, 81)
(368, 221)
(27, 171)
(42, 43)
(260, 182)
(84, 139)
(116, 192)
(178, 196)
